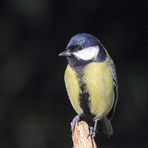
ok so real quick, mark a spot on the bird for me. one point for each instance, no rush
(91, 81)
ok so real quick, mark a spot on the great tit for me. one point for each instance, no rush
(90, 80)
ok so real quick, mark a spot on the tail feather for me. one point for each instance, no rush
(107, 127)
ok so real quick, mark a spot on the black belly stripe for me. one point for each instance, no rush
(84, 101)
(84, 95)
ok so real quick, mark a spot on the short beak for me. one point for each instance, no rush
(65, 53)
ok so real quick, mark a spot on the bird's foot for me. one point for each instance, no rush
(74, 122)
(92, 132)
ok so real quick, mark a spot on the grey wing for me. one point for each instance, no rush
(114, 76)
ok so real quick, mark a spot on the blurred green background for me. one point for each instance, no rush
(34, 108)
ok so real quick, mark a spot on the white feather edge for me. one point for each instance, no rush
(87, 53)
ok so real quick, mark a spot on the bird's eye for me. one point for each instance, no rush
(77, 47)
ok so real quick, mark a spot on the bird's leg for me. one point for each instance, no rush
(93, 129)
(75, 121)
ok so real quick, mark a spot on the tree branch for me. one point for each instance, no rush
(81, 136)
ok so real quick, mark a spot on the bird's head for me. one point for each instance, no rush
(82, 49)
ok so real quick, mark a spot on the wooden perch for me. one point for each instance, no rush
(81, 136)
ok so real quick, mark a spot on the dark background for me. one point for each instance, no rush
(34, 108)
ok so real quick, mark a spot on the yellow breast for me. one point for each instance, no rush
(73, 88)
(99, 84)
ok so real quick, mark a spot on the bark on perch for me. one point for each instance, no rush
(81, 136)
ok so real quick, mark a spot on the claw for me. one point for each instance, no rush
(93, 129)
(74, 121)
(92, 132)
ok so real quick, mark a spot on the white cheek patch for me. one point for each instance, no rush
(87, 53)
